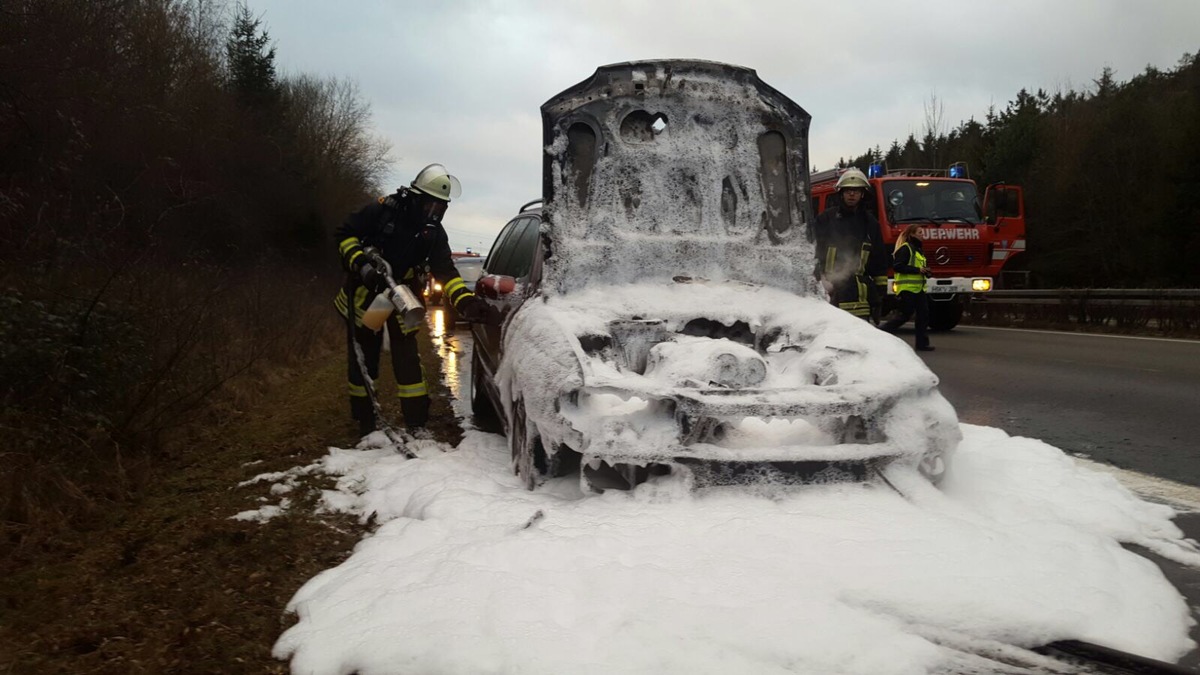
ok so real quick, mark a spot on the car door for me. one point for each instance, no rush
(499, 265)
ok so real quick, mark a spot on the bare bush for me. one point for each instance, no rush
(108, 377)
(161, 236)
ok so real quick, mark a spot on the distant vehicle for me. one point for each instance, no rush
(969, 245)
(433, 289)
(661, 314)
(470, 269)
(433, 292)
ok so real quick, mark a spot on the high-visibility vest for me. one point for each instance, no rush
(908, 281)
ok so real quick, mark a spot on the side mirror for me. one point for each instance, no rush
(495, 286)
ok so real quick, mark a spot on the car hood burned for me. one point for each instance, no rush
(722, 372)
(659, 169)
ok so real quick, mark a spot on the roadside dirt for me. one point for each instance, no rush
(169, 583)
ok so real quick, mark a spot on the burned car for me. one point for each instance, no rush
(661, 309)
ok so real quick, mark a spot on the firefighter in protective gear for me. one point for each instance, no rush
(912, 270)
(851, 262)
(405, 230)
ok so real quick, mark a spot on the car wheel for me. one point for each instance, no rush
(528, 453)
(482, 408)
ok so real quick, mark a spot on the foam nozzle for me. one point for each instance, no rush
(412, 312)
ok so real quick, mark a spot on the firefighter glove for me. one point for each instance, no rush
(874, 304)
(478, 311)
(373, 277)
(374, 258)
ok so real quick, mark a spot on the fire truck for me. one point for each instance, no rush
(971, 243)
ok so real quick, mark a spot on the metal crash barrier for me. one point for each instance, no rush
(1166, 310)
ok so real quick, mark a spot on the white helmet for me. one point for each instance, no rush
(436, 182)
(853, 178)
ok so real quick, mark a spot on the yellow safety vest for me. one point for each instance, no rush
(908, 281)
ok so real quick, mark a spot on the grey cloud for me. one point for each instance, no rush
(461, 83)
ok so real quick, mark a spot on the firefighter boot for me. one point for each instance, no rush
(416, 412)
(363, 413)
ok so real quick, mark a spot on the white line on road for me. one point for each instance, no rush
(1179, 496)
(1098, 335)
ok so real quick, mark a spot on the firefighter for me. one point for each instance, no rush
(911, 272)
(851, 263)
(405, 231)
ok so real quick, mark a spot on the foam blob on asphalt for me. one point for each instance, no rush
(470, 573)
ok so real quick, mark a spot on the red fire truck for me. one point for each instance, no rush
(969, 242)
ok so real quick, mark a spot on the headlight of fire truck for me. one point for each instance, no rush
(979, 285)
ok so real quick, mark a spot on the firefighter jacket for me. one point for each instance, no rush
(850, 256)
(909, 260)
(396, 228)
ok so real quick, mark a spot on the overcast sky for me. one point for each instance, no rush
(460, 83)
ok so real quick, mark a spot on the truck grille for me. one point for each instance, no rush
(946, 255)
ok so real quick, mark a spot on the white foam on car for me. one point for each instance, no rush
(820, 359)
(688, 197)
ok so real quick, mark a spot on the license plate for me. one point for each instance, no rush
(940, 286)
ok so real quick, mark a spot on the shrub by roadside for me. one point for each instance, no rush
(165, 581)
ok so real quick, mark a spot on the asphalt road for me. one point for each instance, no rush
(1127, 401)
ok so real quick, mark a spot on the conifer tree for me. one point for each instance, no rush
(251, 59)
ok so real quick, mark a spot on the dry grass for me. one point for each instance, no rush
(164, 581)
(105, 372)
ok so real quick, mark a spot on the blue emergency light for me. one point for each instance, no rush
(958, 170)
(874, 171)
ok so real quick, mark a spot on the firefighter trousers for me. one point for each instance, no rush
(411, 388)
(853, 294)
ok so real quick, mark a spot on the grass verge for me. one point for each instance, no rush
(166, 582)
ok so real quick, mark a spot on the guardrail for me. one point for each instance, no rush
(1161, 310)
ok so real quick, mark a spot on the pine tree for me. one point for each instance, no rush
(251, 60)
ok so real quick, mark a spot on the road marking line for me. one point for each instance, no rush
(1103, 335)
(1180, 496)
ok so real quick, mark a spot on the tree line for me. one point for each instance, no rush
(165, 204)
(1111, 175)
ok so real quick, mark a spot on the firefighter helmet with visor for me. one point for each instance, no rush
(436, 182)
(853, 178)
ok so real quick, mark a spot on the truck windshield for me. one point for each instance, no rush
(930, 199)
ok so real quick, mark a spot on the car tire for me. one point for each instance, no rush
(482, 409)
(528, 453)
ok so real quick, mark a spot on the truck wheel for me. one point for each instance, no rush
(945, 315)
